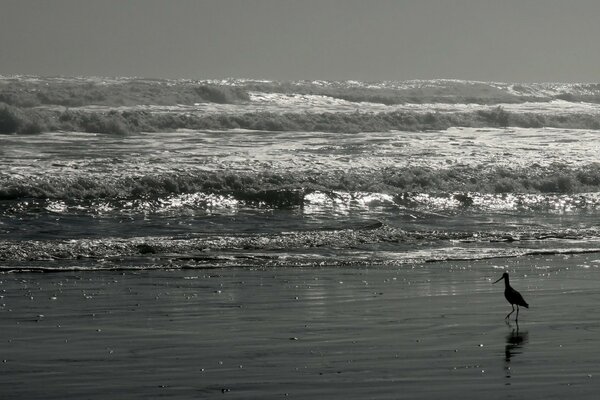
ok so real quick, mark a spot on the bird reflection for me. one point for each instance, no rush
(515, 341)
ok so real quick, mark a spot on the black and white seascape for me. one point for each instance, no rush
(275, 199)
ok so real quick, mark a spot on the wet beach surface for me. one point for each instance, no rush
(433, 330)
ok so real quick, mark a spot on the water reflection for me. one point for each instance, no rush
(515, 341)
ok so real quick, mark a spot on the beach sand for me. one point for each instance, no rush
(427, 331)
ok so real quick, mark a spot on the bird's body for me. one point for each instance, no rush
(512, 296)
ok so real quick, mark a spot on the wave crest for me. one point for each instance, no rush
(537, 188)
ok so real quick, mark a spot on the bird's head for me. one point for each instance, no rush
(504, 276)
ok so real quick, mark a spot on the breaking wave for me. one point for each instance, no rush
(549, 187)
(28, 91)
(27, 121)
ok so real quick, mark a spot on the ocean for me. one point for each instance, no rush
(288, 174)
(261, 239)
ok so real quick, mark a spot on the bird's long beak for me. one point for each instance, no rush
(499, 280)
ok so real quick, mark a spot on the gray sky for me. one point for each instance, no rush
(502, 40)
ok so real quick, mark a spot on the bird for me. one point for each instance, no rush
(512, 296)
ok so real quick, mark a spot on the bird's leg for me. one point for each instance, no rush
(513, 310)
(517, 318)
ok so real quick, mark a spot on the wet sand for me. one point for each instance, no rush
(418, 332)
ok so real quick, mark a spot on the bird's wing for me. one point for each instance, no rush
(519, 300)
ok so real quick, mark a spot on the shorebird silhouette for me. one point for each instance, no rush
(512, 296)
